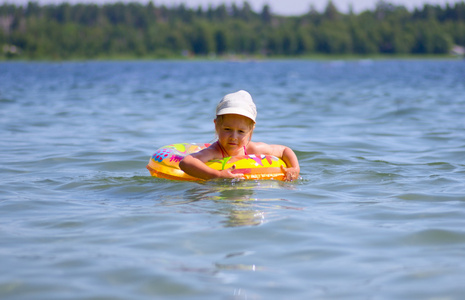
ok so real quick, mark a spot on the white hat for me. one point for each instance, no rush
(238, 103)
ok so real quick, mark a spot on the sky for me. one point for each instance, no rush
(280, 7)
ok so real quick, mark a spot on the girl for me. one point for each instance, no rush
(234, 125)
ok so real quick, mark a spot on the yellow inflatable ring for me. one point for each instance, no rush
(164, 163)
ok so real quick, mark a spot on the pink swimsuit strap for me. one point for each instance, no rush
(221, 149)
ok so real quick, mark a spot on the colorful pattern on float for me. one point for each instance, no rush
(164, 163)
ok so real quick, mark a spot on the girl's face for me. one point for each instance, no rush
(234, 132)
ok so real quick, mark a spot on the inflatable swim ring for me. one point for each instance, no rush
(164, 163)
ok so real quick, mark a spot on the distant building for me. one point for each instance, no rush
(10, 50)
(458, 50)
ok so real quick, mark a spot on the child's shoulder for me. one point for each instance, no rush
(258, 148)
(257, 144)
(264, 148)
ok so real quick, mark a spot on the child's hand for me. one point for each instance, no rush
(290, 173)
(229, 173)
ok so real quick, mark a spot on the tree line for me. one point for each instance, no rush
(68, 31)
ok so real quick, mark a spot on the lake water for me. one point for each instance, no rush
(379, 211)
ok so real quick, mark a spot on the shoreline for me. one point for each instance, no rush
(246, 58)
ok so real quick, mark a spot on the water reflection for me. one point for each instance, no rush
(235, 202)
(238, 201)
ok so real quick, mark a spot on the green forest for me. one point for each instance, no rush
(135, 30)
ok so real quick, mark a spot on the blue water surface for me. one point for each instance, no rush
(379, 211)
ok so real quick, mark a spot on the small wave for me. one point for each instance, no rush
(434, 237)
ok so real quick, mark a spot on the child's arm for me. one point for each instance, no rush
(292, 169)
(194, 165)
